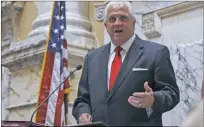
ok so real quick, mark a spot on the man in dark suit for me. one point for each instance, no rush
(128, 81)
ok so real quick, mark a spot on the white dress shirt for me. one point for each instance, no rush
(125, 47)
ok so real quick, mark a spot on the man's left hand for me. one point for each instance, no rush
(142, 99)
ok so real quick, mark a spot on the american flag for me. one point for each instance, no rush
(54, 71)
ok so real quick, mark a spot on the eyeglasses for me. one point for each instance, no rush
(122, 18)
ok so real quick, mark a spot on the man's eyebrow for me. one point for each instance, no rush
(117, 14)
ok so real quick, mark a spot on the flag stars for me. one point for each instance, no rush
(62, 37)
(58, 3)
(62, 7)
(56, 30)
(61, 17)
(53, 45)
(62, 27)
(57, 17)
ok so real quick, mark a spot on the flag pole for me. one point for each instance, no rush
(66, 108)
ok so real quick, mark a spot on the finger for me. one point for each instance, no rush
(89, 118)
(147, 88)
(138, 99)
(81, 120)
(133, 103)
(136, 104)
(84, 119)
(140, 94)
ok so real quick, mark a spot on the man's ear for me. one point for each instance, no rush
(134, 22)
(105, 25)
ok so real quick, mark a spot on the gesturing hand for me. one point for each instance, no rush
(142, 99)
(85, 118)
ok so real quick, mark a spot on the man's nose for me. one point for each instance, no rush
(118, 21)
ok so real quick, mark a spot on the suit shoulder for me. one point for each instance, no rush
(154, 45)
(91, 54)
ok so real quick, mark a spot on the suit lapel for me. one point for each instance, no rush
(133, 55)
(103, 62)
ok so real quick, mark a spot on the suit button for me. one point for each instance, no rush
(110, 123)
(109, 103)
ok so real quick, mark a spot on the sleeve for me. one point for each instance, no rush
(166, 92)
(82, 102)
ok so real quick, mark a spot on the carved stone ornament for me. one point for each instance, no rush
(151, 24)
(6, 21)
(18, 6)
(99, 9)
(10, 12)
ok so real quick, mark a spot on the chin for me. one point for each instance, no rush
(118, 41)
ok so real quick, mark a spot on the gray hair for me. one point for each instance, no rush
(110, 4)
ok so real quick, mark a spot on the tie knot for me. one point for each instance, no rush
(117, 50)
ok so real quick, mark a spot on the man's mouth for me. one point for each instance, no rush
(118, 31)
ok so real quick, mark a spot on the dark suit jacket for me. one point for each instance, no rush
(113, 108)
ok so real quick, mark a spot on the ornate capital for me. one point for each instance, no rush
(151, 24)
(6, 20)
(99, 9)
(10, 12)
(18, 7)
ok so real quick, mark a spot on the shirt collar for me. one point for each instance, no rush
(125, 46)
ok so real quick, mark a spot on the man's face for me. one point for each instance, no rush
(119, 24)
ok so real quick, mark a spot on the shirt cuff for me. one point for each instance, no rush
(149, 111)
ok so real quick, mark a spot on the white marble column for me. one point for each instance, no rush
(5, 93)
(78, 32)
(9, 14)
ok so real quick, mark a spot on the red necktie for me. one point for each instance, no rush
(115, 67)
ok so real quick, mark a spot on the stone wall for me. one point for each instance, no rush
(187, 60)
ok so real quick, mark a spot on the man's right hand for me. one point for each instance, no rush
(85, 118)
